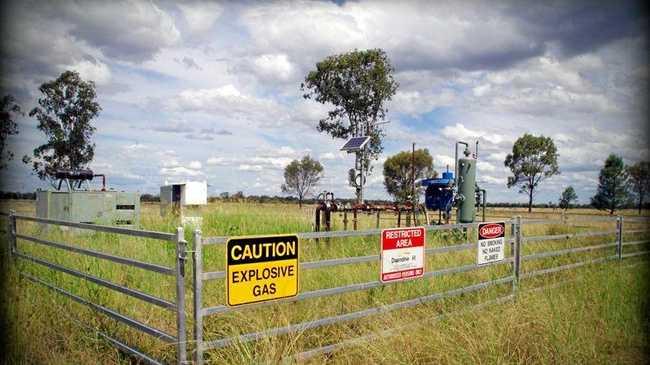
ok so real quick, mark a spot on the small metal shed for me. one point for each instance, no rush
(173, 197)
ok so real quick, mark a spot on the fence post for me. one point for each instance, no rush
(513, 234)
(11, 233)
(378, 218)
(517, 252)
(619, 237)
(198, 297)
(181, 346)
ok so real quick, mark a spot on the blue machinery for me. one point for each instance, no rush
(456, 189)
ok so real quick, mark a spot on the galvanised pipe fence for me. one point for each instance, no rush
(528, 258)
(516, 261)
(177, 306)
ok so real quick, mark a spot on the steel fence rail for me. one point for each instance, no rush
(566, 267)
(638, 253)
(109, 312)
(567, 251)
(120, 260)
(638, 219)
(632, 243)
(131, 350)
(352, 316)
(542, 221)
(306, 355)
(567, 236)
(94, 227)
(637, 231)
(213, 275)
(345, 289)
(342, 234)
(99, 281)
(578, 219)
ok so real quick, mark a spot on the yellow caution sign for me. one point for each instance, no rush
(261, 268)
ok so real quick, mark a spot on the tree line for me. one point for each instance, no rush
(358, 85)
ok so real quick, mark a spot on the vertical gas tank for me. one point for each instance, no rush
(466, 186)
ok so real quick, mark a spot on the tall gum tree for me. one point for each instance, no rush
(65, 113)
(358, 85)
(533, 159)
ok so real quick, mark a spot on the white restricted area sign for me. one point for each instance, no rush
(491, 242)
(402, 253)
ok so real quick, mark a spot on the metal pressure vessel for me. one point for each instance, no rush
(466, 190)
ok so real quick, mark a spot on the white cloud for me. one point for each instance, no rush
(246, 167)
(195, 165)
(96, 71)
(179, 171)
(231, 103)
(169, 163)
(443, 160)
(273, 67)
(200, 16)
(446, 35)
(217, 161)
(143, 27)
(481, 90)
(416, 102)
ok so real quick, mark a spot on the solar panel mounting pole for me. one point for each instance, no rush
(413, 181)
(360, 186)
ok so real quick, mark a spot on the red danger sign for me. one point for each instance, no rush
(402, 253)
(491, 242)
(492, 230)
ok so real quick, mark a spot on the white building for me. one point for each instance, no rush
(178, 195)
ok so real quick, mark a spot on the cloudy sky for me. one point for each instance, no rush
(210, 91)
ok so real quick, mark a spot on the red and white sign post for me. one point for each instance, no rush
(402, 253)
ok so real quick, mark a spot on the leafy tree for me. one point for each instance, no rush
(613, 185)
(533, 159)
(64, 114)
(8, 112)
(398, 176)
(639, 174)
(568, 196)
(358, 84)
(301, 176)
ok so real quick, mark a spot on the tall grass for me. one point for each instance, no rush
(42, 325)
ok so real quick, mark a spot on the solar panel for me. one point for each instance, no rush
(355, 144)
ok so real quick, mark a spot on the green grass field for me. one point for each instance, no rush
(599, 317)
